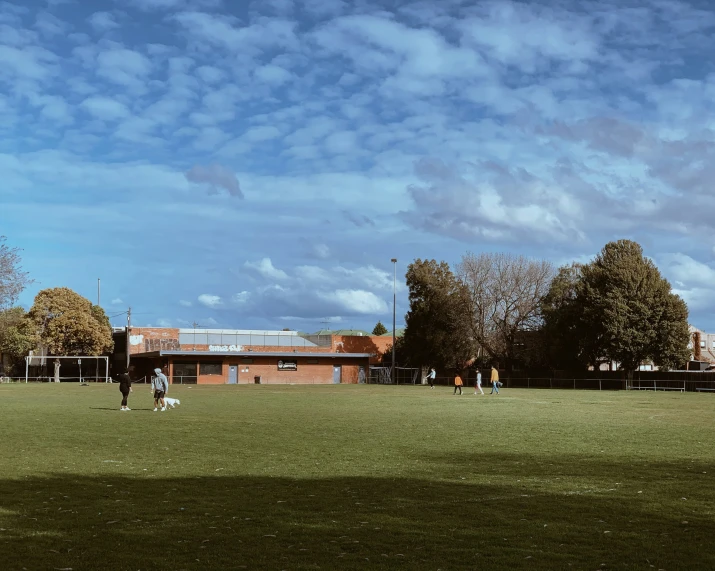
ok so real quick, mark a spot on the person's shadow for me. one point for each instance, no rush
(108, 408)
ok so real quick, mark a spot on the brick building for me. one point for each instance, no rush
(220, 356)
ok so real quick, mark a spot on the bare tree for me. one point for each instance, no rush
(12, 279)
(505, 295)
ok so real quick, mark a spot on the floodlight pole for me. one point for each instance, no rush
(394, 303)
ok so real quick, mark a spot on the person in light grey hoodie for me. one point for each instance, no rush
(160, 386)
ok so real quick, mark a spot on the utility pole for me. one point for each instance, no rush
(129, 325)
(96, 361)
(394, 307)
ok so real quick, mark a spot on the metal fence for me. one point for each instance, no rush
(403, 376)
(612, 384)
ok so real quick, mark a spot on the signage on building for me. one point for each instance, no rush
(225, 348)
(287, 365)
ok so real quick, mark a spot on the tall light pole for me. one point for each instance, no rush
(394, 303)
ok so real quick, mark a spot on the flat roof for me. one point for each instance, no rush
(277, 354)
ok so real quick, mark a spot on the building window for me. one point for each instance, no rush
(215, 368)
(247, 361)
(184, 373)
(702, 344)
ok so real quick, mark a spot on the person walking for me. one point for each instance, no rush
(495, 381)
(125, 387)
(431, 378)
(478, 383)
(457, 384)
(160, 386)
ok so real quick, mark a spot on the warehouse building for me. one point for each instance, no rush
(220, 356)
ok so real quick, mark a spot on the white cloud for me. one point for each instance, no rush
(164, 322)
(356, 301)
(105, 108)
(263, 133)
(273, 74)
(686, 270)
(313, 274)
(102, 21)
(266, 269)
(185, 303)
(125, 67)
(117, 301)
(209, 300)
(241, 297)
(215, 177)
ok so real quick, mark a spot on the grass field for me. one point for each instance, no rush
(355, 477)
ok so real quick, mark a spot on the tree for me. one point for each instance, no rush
(505, 293)
(379, 329)
(68, 324)
(630, 314)
(12, 279)
(437, 331)
(563, 332)
(17, 336)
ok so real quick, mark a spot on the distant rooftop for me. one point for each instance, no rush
(357, 332)
(399, 332)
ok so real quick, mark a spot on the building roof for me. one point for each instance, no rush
(251, 354)
(399, 332)
(344, 332)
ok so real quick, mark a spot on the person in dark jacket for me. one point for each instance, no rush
(125, 386)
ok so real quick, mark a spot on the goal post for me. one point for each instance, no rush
(78, 358)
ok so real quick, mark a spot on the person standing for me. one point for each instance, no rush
(160, 385)
(125, 387)
(431, 378)
(495, 381)
(457, 384)
(478, 383)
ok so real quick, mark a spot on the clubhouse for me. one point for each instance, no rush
(221, 356)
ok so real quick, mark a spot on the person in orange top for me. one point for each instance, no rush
(457, 384)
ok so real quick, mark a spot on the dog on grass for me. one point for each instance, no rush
(169, 402)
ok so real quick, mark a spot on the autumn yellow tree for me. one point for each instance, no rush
(69, 324)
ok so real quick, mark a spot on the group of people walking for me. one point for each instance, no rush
(159, 386)
(458, 383)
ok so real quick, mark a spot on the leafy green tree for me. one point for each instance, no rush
(629, 313)
(379, 329)
(437, 329)
(563, 332)
(68, 324)
(12, 279)
(17, 337)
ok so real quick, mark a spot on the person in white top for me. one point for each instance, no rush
(431, 378)
(478, 383)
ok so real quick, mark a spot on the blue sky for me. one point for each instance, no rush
(256, 165)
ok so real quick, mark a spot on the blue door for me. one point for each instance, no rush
(337, 373)
(232, 374)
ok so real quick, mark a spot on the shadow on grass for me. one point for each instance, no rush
(232, 522)
(116, 409)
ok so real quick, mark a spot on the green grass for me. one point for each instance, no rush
(355, 477)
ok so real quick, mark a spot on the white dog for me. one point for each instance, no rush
(171, 402)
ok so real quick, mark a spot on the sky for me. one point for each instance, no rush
(257, 164)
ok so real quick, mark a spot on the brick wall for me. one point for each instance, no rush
(146, 339)
(267, 369)
(373, 344)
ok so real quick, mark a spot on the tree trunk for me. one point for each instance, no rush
(57, 370)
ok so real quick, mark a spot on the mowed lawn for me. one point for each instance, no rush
(355, 477)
